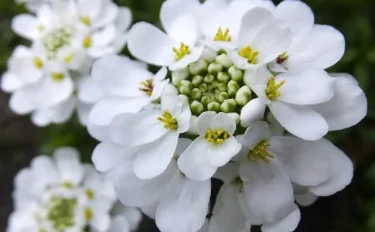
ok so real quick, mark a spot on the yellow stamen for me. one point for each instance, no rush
(67, 184)
(223, 36)
(182, 51)
(260, 152)
(86, 20)
(89, 214)
(58, 76)
(147, 86)
(216, 136)
(38, 63)
(69, 58)
(87, 42)
(41, 27)
(250, 54)
(273, 89)
(90, 193)
(168, 120)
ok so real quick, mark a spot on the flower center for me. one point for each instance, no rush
(213, 85)
(260, 152)
(282, 58)
(61, 212)
(223, 36)
(56, 40)
(89, 214)
(182, 51)
(38, 63)
(87, 42)
(216, 136)
(57, 76)
(86, 20)
(273, 89)
(250, 54)
(147, 86)
(168, 120)
(90, 193)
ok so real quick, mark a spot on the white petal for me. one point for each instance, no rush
(69, 165)
(88, 91)
(184, 206)
(45, 173)
(288, 223)
(274, 39)
(154, 158)
(306, 88)
(188, 59)
(194, 163)
(347, 107)
(297, 14)
(304, 161)
(100, 133)
(119, 223)
(204, 122)
(26, 26)
(90, 8)
(305, 199)
(137, 128)
(254, 134)
(107, 15)
(267, 190)
(221, 154)
(341, 170)
(300, 120)
(323, 47)
(151, 45)
(10, 83)
(172, 9)
(252, 112)
(124, 19)
(184, 29)
(57, 91)
(223, 122)
(132, 215)
(227, 213)
(108, 155)
(104, 36)
(171, 103)
(134, 192)
(24, 100)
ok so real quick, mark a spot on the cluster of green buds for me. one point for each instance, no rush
(213, 85)
(61, 212)
(55, 40)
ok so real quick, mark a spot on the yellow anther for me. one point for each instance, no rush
(282, 58)
(223, 36)
(250, 54)
(182, 51)
(216, 136)
(41, 27)
(87, 42)
(86, 20)
(90, 193)
(68, 58)
(147, 86)
(38, 63)
(260, 152)
(89, 214)
(273, 89)
(57, 76)
(168, 120)
(67, 184)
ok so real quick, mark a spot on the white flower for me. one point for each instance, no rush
(67, 36)
(289, 97)
(214, 147)
(61, 194)
(177, 203)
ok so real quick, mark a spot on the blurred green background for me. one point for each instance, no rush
(350, 210)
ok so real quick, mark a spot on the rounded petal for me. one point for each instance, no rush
(300, 120)
(100, 133)
(10, 83)
(124, 19)
(119, 223)
(288, 223)
(154, 158)
(184, 205)
(223, 122)
(194, 163)
(252, 112)
(188, 59)
(26, 26)
(151, 45)
(88, 91)
(220, 154)
(184, 29)
(24, 100)
(69, 165)
(254, 134)
(57, 91)
(348, 106)
(204, 122)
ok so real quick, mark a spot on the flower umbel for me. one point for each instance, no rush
(168, 120)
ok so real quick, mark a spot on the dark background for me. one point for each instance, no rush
(350, 210)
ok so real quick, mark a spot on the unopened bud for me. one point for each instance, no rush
(235, 73)
(196, 94)
(222, 97)
(203, 87)
(198, 67)
(209, 78)
(179, 75)
(235, 116)
(215, 68)
(185, 87)
(233, 87)
(223, 77)
(243, 95)
(196, 107)
(197, 80)
(213, 106)
(224, 60)
(206, 100)
(228, 106)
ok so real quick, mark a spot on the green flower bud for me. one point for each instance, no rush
(197, 80)
(243, 95)
(213, 106)
(198, 67)
(185, 87)
(206, 100)
(228, 106)
(235, 73)
(196, 107)
(222, 97)
(178, 76)
(222, 87)
(209, 78)
(203, 87)
(215, 83)
(224, 60)
(196, 94)
(223, 77)
(233, 87)
(235, 116)
(215, 68)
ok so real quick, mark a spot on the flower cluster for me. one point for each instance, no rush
(60, 194)
(242, 95)
(50, 77)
